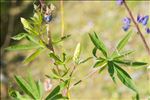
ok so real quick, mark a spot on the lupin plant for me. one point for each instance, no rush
(37, 28)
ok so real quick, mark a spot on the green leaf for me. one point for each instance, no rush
(33, 56)
(53, 75)
(124, 41)
(59, 97)
(111, 70)
(63, 57)
(40, 88)
(130, 63)
(99, 63)
(25, 23)
(98, 43)
(101, 69)
(22, 47)
(55, 57)
(77, 53)
(19, 36)
(17, 96)
(125, 78)
(61, 39)
(63, 85)
(33, 86)
(121, 54)
(83, 61)
(31, 38)
(55, 91)
(24, 86)
(94, 51)
(65, 37)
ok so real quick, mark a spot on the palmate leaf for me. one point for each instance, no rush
(125, 78)
(24, 86)
(98, 43)
(22, 47)
(33, 56)
(17, 96)
(33, 86)
(130, 63)
(124, 41)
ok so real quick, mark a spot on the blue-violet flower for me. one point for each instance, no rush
(47, 18)
(143, 20)
(148, 30)
(119, 2)
(127, 22)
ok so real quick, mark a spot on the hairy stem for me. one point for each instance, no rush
(50, 45)
(137, 27)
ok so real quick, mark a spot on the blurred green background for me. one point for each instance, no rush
(81, 18)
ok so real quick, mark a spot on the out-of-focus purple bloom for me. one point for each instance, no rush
(142, 20)
(126, 27)
(139, 18)
(145, 20)
(119, 2)
(148, 30)
(127, 22)
(47, 18)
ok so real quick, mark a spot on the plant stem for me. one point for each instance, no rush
(50, 45)
(42, 3)
(87, 76)
(68, 87)
(137, 27)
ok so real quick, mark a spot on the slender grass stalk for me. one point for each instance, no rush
(62, 18)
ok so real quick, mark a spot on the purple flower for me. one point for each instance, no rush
(127, 22)
(142, 20)
(126, 27)
(148, 30)
(139, 18)
(119, 2)
(145, 20)
(47, 18)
